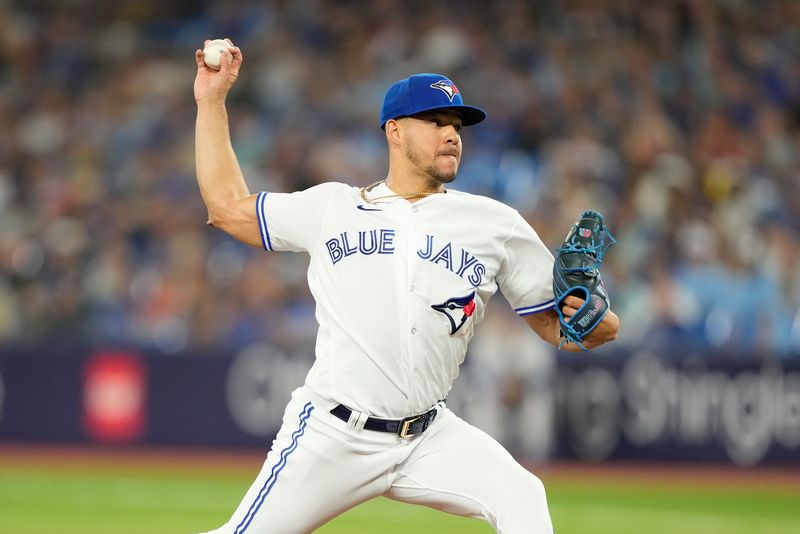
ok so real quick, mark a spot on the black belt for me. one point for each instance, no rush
(410, 426)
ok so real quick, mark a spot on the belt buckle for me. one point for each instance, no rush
(405, 426)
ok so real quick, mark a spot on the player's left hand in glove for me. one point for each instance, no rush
(576, 275)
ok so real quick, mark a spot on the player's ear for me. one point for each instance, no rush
(392, 128)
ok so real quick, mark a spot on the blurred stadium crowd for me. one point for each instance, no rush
(679, 119)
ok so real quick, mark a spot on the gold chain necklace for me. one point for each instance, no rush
(412, 194)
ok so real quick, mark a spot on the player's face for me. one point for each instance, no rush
(434, 144)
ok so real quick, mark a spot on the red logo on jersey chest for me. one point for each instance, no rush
(469, 308)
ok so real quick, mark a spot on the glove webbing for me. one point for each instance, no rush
(596, 250)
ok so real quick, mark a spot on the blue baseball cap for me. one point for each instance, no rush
(426, 92)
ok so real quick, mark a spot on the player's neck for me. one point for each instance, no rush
(410, 192)
(407, 181)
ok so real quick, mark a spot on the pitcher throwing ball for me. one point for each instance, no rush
(401, 272)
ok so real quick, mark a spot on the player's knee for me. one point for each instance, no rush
(524, 507)
(534, 489)
(526, 493)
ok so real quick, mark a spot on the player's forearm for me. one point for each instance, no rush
(555, 337)
(218, 173)
(546, 325)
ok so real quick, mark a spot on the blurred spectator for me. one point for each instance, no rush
(679, 119)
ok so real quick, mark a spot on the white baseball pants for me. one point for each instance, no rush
(320, 466)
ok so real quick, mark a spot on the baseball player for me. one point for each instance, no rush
(401, 272)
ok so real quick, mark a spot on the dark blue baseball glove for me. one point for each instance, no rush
(576, 271)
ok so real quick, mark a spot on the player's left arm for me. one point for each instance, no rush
(546, 325)
(526, 279)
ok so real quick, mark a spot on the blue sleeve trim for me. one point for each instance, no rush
(530, 310)
(262, 222)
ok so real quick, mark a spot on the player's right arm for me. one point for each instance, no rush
(230, 205)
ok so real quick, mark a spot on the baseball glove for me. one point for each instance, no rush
(576, 271)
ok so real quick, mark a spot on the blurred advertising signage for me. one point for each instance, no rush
(2, 396)
(114, 393)
(653, 408)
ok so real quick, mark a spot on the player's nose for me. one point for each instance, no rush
(451, 135)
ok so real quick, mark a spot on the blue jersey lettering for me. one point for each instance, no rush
(362, 242)
(386, 242)
(349, 250)
(466, 262)
(426, 254)
(445, 255)
(444, 258)
(477, 276)
(334, 249)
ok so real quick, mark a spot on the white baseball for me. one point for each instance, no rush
(212, 53)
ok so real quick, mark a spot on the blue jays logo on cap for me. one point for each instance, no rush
(457, 310)
(448, 87)
(427, 92)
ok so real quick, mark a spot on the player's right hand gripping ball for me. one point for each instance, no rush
(212, 53)
(576, 271)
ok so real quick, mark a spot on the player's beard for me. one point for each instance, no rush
(430, 169)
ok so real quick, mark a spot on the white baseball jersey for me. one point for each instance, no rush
(400, 286)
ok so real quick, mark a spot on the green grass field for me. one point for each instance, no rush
(174, 494)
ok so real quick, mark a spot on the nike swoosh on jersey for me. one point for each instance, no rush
(362, 207)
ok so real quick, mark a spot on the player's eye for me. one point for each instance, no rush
(443, 122)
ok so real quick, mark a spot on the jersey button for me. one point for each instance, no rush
(411, 287)
(414, 330)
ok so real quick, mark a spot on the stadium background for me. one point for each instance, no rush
(131, 334)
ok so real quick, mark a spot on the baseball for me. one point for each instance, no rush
(212, 53)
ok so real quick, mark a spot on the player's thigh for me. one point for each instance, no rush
(311, 474)
(462, 470)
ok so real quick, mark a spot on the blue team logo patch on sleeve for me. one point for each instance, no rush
(457, 310)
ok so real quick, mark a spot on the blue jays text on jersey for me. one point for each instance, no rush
(381, 241)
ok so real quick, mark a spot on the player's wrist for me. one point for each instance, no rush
(211, 101)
